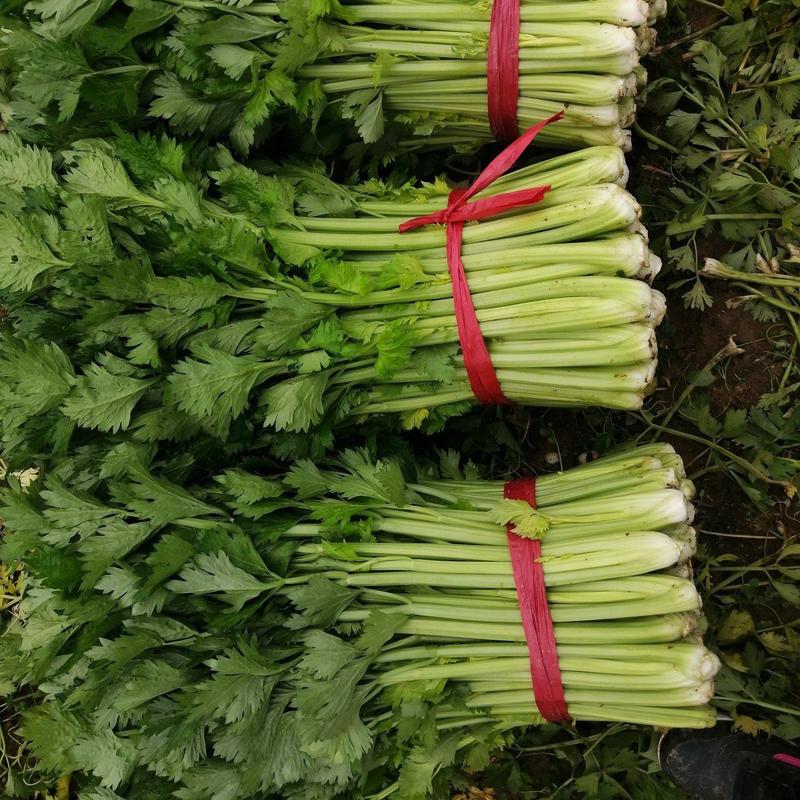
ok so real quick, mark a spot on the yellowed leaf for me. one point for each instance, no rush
(413, 419)
(62, 788)
(26, 476)
(734, 661)
(736, 626)
(781, 645)
(752, 726)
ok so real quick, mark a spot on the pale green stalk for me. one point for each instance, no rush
(638, 715)
(625, 627)
(620, 12)
(688, 657)
(666, 628)
(666, 698)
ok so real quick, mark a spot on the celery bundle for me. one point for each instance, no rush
(616, 542)
(423, 66)
(223, 69)
(176, 304)
(348, 628)
(556, 287)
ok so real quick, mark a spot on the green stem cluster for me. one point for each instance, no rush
(582, 56)
(626, 625)
(554, 287)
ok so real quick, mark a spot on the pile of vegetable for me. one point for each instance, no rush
(145, 296)
(551, 284)
(423, 66)
(216, 607)
(440, 561)
(240, 70)
(353, 625)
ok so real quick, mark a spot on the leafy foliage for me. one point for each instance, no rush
(137, 307)
(727, 112)
(149, 612)
(174, 657)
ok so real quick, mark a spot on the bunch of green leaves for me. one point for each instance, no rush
(131, 365)
(722, 115)
(210, 70)
(214, 69)
(170, 652)
(145, 306)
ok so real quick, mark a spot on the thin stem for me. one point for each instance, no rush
(389, 790)
(730, 349)
(651, 137)
(777, 82)
(795, 712)
(742, 462)
(743, 215)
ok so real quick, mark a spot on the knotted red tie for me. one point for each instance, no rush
(477, 361)
(502, 69)
(548, 691)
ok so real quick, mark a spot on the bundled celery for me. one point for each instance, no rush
(616, 536)
(223, 69)
(336, 629)
(556, 289)
(423, 66)
(180, 304)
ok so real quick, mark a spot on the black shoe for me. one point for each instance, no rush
(715, 764)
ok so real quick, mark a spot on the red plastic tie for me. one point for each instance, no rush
(477, 361)
(548, 691)
(502, 69)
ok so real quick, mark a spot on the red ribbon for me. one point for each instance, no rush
(477, 361)
(502, 69)
(548, 691)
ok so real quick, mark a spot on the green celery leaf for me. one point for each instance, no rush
(25, 256)
(153, 498)
(525, 519)
(113, 540)
(320, 602)
(249, 493)
(24, 166)
(296, 404)
(97, 173)
(378, 480)
(378, 629)
(104, 400)
(395, 345)
(86, 238)
(187, 295)
(150, 679)
(166, 559)
(365, 108)
(41, 376)
(243, 681)
(71, 512)
(52, 71)
(65, 18)
(215, 391)
(324, 655)
(305, 477)
(215, 574)
(185, 111)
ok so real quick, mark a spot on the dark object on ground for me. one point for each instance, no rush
(716, 764)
